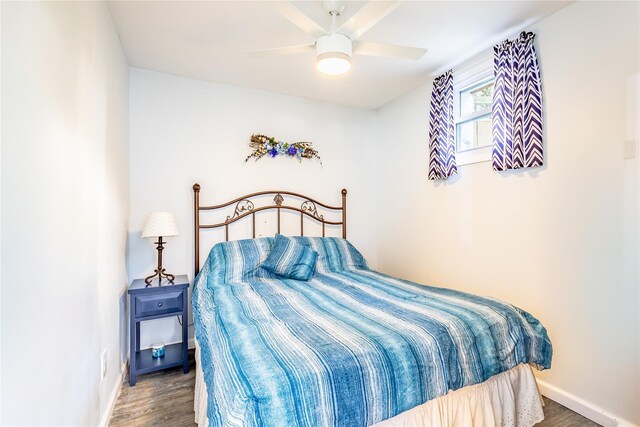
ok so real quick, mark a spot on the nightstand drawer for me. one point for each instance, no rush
(152, 305)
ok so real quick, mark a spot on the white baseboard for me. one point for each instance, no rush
(108, 411)
(582, 407)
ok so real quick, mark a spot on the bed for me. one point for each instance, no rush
(349, 346)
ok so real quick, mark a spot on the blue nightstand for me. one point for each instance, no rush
(155, 301)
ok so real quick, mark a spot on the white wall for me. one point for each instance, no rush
(560, 241)
(64, 210)
(185, 131)
(64, 135)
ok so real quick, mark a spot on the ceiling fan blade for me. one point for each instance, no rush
(299, 19)
(387, 50)
(285, 50)
(368, 16)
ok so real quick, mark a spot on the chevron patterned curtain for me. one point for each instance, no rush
(517, 105)
(442, 154)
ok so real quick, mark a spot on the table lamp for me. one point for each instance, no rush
(160, 224)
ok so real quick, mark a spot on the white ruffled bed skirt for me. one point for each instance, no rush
(200, 398)
(509, 399)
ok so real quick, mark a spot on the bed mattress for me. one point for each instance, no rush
(351, 346)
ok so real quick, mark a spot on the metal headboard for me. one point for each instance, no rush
(245, 206)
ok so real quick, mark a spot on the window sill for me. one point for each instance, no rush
(476, 155)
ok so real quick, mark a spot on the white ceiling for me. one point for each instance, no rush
(209, 40)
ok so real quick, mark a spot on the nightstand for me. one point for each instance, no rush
(155, 301)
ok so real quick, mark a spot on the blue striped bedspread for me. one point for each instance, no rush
(350, 347)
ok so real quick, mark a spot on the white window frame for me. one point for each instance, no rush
(466, 77)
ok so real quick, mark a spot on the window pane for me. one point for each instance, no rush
(476, 98)
(474, 133)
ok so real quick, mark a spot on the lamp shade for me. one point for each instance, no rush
(160, 224)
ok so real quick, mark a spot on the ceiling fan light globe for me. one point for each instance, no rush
(333, 63)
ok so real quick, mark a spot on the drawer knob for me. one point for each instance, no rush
(159, 304)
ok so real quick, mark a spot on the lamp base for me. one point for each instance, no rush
(159, 273)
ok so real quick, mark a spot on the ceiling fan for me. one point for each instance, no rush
(335, 47)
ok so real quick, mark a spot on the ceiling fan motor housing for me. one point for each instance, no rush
(333, 43)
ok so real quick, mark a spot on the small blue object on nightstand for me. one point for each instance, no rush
(157, 350)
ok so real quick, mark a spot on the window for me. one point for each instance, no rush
(473, 97)
(473, 128)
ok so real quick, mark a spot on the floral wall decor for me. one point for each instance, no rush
(264, 145)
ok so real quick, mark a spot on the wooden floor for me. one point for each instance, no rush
(163, 398)
(166, 399)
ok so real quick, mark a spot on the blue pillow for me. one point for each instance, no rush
(291, 259)
(334, 254)
(239, 260)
